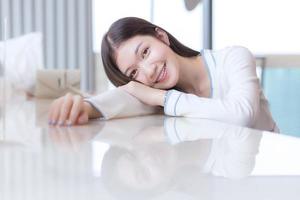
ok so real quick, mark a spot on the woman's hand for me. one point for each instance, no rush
(146, 94)
(68, 110)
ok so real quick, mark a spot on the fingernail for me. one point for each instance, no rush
(61, 123)
(53, 122)
(69, 123)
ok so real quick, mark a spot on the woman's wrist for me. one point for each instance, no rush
(91, 111)
(161, 97)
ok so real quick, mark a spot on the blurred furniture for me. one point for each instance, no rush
(66, 27)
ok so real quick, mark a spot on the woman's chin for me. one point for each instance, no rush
(167, 86)
(171, 83)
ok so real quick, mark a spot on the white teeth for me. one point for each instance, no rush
(162, 74)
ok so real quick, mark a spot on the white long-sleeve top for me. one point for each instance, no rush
(236, 95)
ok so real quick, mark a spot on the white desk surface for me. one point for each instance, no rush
(149, 157)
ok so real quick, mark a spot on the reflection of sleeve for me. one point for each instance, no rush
(234, 157)
(117, 103)
(241, 102)
(233, 149)
(179, 129)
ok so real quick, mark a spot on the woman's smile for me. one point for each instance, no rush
(163, 75)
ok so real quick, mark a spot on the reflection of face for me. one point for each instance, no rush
(146, 168)
(148, 60)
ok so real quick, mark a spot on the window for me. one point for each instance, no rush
(264, 26)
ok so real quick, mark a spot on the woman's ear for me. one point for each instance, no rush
(162, 35)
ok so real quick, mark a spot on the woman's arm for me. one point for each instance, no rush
(117, 103)
(74, 109)
(239, 106)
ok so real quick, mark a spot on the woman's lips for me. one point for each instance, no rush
(163, 74)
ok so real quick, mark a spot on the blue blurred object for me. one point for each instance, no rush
(282, 89)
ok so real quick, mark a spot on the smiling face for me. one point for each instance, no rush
(149, 60)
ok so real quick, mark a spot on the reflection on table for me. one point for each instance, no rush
(146, 157)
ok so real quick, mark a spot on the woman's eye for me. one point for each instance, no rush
(145, 52)
(133, 74)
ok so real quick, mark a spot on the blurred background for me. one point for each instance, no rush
(71, 33)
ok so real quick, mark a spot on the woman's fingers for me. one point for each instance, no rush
(65, 109)
(55, 110)
(83, 118)
(76, 109)
(68, 110)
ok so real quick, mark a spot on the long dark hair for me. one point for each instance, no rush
(124, 29)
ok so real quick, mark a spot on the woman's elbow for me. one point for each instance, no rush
(246, 118)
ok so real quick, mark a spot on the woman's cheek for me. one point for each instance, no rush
(142, 79)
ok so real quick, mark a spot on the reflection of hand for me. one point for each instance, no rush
(72, 137)
(148, 95)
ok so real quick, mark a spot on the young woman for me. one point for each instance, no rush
(154, 72)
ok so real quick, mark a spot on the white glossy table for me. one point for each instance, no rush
(149, 157)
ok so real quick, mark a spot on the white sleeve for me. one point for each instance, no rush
(241, 102)
(117, 103)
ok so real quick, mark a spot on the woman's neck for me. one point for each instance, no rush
(193, 76)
